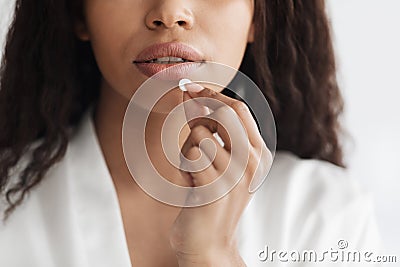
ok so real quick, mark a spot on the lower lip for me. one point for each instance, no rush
(174, 71)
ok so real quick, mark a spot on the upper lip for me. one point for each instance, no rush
(160, 50)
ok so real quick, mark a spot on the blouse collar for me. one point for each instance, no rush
(98, 212)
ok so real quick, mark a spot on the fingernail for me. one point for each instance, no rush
(189, 86)
(194, 87)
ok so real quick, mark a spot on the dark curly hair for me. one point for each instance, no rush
(49, 78)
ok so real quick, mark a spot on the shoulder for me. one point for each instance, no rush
(312, 188)
(312, 179)
(308, 204)
(44, 216)
(15, 172)
(53, 177)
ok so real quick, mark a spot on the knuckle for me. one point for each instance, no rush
(254, 154)
(267, 154)
(224, 110)
(239, 106)
(208, 93)
(267, 158)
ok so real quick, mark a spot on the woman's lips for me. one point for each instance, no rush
(176, 70)
(170, 71)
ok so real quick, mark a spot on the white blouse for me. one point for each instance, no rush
(72, 218)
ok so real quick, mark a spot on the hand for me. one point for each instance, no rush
(205, 235)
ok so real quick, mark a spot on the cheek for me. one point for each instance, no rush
(229, 31)
(116, 27)
(111, 29)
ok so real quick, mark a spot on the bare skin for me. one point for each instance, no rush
(158, 234)
(147, 222)
(153, 227)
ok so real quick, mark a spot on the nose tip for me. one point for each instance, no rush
(169, 17)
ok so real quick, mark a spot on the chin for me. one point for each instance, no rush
(169, 101)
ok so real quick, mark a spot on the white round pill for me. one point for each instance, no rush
(182, 83)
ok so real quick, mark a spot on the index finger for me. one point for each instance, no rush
(241, 109)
